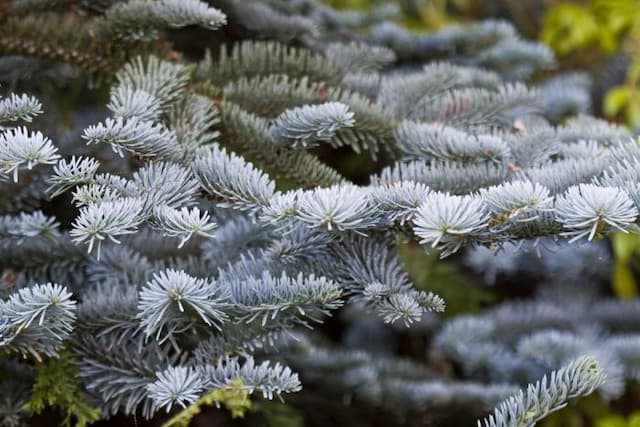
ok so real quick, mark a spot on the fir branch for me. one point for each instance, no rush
(517, 201)
(60, 38)
(270, 380)
(172, 300)
(127, 102)
(99, 221)
(268, 299)
(254, 58)
(68, 173)
(579, 378)
(118, 371)
(183, 223)
(476, 108)
(357, 57)
(399, 201)
(450, 177)
(37, 320)
(231, 178)
(447, 222)
(304, 126)
(140, 19)
(442, 143)
(164, 80)
(162, 184)
(21, 149)
(587, 210)
(144, 138)
(175, 385)
(345, 207)
(16, 108)
(267, 21)
(249, 134)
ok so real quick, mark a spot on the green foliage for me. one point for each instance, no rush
(619, 421)
(596, 29)
(444, 278)
(581, 414)
(625, 250)
(234, 397)
(279, 415)
(57, 384)
(624, 100)
(604, 26)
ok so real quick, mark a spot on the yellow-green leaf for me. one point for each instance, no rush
(623, 281)
(624, 245)
(616, 100)
(611, 421)
(634, 419)
(234, 397)
(562, 34)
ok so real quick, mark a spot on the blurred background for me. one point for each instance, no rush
(597, 38)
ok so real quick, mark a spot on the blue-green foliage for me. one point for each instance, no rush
(191, 237)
